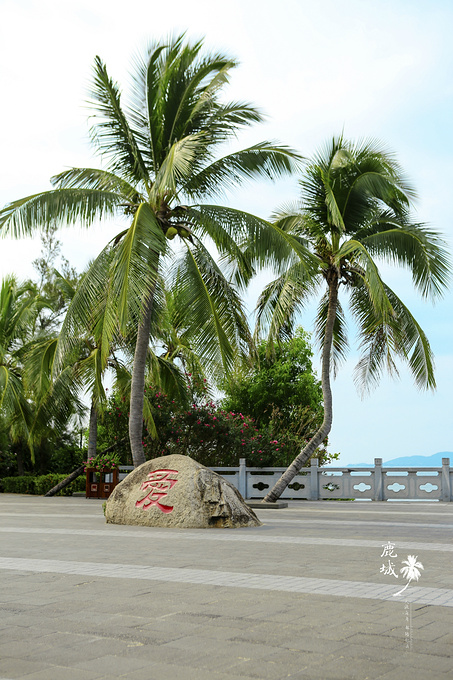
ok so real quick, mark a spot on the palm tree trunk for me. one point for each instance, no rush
(306, 453)
(138, 385)
(20, 461)
(92, 432)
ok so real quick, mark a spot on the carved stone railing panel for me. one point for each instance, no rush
(315, 483)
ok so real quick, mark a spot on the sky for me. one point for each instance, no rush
(370, 69)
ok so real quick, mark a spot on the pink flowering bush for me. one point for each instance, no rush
(100, 463)
(204, 431)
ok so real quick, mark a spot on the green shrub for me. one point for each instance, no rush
(40, 485)
(24, 484)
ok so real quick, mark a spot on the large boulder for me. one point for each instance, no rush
(176, 491)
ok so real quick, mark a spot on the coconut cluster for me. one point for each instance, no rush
(172, 231)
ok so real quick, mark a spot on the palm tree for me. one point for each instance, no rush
(160, 155)
(354, 213)
(410, 571)
(32, 407)
(18, 309)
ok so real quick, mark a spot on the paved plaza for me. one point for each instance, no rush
(310, 594)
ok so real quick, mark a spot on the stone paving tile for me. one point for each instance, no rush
(372, 652)
(162, 671)
(415, 674)
(304, 664)
(202, 619)
(236, 537)
(389, 641)
(201, 656)
(426, 633)
(233, 648)
(313, 644)
(269, 669)
(339, 631)
(144, 621)
(400, 656)
(381, 641)
(223, 579)
(87, 650)
(32, 647)
(434, 649)
(16, 667)
(430, 662)
(62, 673)
(310, 673)
(353, 669)
(111, 664)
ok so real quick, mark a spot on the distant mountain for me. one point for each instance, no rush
(412, 461)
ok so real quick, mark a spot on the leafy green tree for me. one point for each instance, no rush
(161, 152)
(282, 394)
(281, 378)
(354, 214)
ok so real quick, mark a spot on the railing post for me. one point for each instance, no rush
(445, 482)
(314, 496)
(242, 480)
(378, 480)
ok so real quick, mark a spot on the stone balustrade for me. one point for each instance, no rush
(371, 483)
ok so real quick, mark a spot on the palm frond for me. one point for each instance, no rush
(90, 372)
(334, 213)
(145, 94)
(15, 406)
(218, 324)
(38, 363)
(56, 406)
(135, 266)
(267, 159)
(168, 377)
(246, 241)
(19, 304)
(385, 338)
(87, 307)
(229, 229)
(64, 286)
(99, 180)
(60, 207)
(114, 137)
(417, 248)
(282, 299)
(174, 96)
(148, 418)
(177, 164)
(356, 252)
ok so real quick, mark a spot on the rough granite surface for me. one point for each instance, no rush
(176, 491)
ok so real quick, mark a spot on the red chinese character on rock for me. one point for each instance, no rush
(158, 485)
